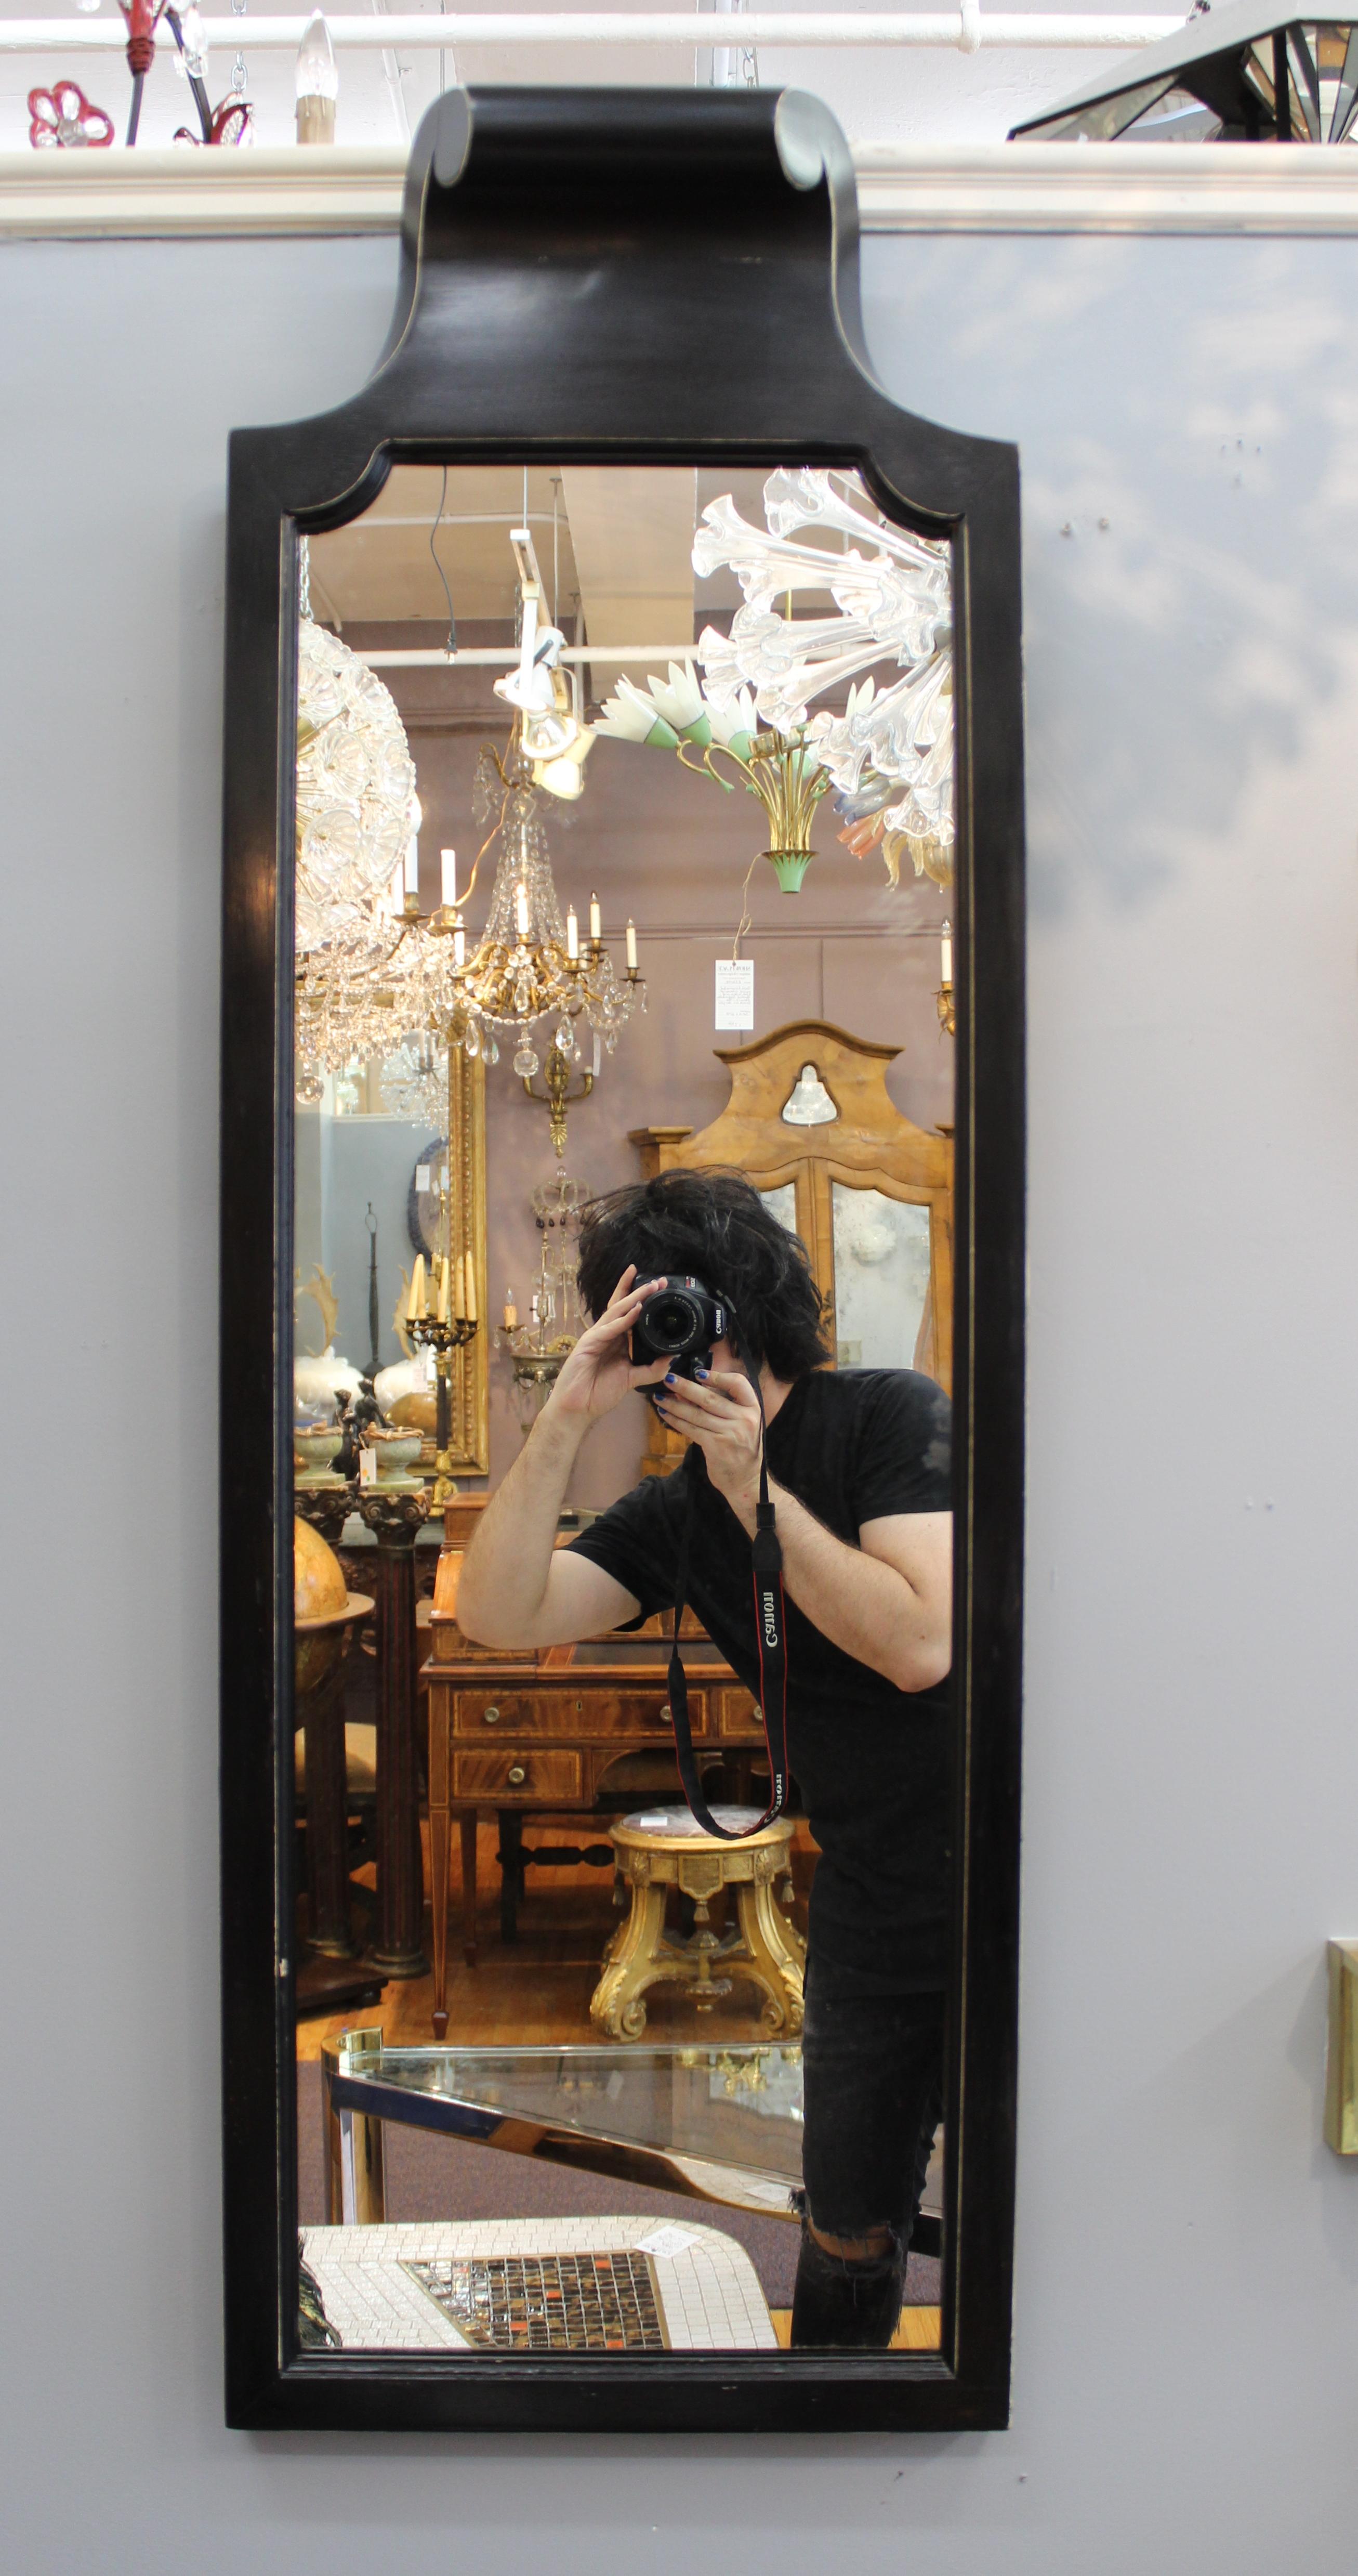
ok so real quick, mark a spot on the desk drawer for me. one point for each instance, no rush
(584, 1716)
(505, 1778)
(737, 1715)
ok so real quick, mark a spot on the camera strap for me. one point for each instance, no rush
(770, 1625)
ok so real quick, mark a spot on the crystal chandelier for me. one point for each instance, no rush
(540, 1347)
(355, 782)
(528, 964)
(355, 967)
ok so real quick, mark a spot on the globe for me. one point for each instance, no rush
(319, 1592)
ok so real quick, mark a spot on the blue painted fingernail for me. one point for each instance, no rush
(701, 1376)
(670, 1379)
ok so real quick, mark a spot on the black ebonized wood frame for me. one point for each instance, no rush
(655, 277)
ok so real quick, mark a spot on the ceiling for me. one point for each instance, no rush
(614, 545)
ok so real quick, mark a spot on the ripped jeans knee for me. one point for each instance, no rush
(844, 2299)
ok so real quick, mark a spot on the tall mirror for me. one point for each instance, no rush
(595, 766)
(626, 1812)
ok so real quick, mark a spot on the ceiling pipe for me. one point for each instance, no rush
(497, 657)
(964, 30)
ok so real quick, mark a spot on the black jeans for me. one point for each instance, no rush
(873, 2088)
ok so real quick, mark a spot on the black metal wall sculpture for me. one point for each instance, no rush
(643, 277)
(1239, 74)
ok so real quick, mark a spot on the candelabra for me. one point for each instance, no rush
(437, 1320)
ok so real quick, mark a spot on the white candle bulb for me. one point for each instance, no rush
(521, 908)
(511, 1311)
(631, 948)
(412, 885)
(448, 877)
(317, 73)
(947, 952)
(572, 935)
(596, 919)
(317, 83)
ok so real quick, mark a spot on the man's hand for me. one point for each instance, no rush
(599, 1371)
(719, 1411)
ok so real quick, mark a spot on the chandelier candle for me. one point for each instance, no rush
(317, 84)
(947, 1015)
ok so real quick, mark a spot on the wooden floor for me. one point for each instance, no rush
(920, 2329)
(539, 1990)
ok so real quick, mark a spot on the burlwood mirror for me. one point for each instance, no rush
(623, 887)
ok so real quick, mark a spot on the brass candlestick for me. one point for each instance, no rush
(947, 1015)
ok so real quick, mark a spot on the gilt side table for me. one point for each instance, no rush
(665, 1849)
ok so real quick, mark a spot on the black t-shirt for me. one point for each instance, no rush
(871, 1761)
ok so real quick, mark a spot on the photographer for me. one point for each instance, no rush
(859, 1470)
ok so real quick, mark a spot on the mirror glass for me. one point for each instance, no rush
(881, 1278)
(624, 864)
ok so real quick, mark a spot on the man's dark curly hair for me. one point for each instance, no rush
(713, 1226)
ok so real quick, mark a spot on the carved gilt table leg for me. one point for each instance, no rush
(616, 2006)
(775, 1947)
(394, 1517)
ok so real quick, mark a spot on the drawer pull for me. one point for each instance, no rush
(516, 1775)
(491, 1716)
(667, 1715)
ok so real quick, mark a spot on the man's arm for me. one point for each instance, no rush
(517, 1588)
(886, 1602)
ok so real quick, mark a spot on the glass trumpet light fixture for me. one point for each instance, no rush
(889, 753)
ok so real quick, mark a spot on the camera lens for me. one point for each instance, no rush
(671, 1321)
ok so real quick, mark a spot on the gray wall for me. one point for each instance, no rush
(1187, 2319)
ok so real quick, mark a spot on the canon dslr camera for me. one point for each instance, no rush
(679, 1323)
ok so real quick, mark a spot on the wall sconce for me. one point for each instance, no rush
(1341, 2069)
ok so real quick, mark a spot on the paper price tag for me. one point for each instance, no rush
(735, 993)
(666, 2242)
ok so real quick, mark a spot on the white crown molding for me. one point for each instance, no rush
(1172, 188)
(117, 195)
(1222, 188)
